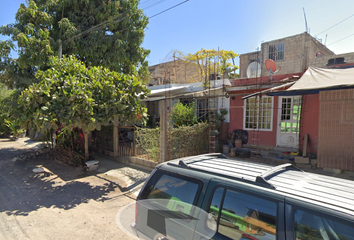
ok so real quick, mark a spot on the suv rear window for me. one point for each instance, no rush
(174, 187)
(313, 227)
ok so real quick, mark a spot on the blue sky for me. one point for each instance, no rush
(235, 25)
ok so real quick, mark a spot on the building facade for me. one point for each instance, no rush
(283, 121)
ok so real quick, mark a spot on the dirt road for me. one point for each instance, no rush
(61, 203)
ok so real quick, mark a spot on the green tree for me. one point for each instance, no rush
(98, 33)
(212, 61)
(5, 97)
(183, 115)
(71, 95)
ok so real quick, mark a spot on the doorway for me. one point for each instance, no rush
(289, 113)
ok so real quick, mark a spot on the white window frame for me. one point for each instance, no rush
(278, 48)
(257, 115)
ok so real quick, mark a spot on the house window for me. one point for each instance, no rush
(258, 113)
(276, 51)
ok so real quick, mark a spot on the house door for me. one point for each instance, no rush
(289, 121)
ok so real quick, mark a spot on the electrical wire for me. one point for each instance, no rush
(335, 25)
(153, 4)
(145, 2)
(98, 26)
(341, 39)
(169, 9)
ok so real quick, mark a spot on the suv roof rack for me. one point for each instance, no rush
(273, 170)
(183, 161)
(195, 163)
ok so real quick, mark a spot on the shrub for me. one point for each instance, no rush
(183, 115)
(182, 141)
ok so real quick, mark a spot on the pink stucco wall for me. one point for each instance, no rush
(309, 122)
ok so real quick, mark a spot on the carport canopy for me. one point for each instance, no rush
(315, 80)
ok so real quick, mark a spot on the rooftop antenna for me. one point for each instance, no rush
(325, 40)
(305, 19)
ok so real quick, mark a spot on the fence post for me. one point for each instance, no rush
(134, 143)
(115, 137)
(163, 130)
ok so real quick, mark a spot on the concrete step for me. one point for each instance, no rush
(276, 154)
(271, 148)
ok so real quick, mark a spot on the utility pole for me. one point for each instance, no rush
(175, 69)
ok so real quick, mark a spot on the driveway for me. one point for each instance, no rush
(63, 202)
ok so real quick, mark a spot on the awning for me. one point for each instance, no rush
(269, 90)
(217, 92)
(167, 91)
(214, 92)
(315, 80)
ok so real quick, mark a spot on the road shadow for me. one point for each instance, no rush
(10, 148)
(23, 191)
(11, 152)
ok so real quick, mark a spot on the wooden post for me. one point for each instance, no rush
(87, 155)
(306, 139)
(115, 137)
(163, 131)
(134, 144)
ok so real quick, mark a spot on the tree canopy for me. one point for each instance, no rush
(212, 62)
(98, 33)
(70, 95)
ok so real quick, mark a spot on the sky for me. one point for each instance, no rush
(238, 25)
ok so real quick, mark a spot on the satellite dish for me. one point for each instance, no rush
(270, 65)
(319, 54)
(253, 70)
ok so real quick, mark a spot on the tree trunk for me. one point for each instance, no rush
(115, 137)
(87, 155)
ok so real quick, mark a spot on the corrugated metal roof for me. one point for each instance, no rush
(330, 190)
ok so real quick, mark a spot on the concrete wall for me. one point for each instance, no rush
(299, 51)
(336, 130)
(321, 62)
(246, 59)
(174, 72)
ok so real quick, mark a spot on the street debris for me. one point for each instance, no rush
(38, 170)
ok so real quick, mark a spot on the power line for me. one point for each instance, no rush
(98, 25)
(153, 4)
(145, 2)
(335, 24)
(169, 9)
(341, 39)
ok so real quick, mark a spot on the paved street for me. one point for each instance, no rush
(66, 202)
(63, 202)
